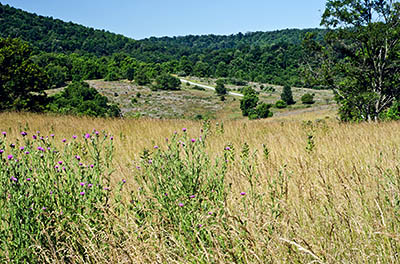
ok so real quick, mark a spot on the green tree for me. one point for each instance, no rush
(167, 82)
(280, 104)
(307, 98)
(80, 99)
(287, 95)
(249, 101)
(22, 82)
(141, 77)
(220, 89)
(361, 61)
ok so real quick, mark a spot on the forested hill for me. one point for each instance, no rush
(272, 57)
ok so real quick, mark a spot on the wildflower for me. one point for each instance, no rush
(166, 194)
(64, 140)
(38, 132)
(23, 133)
(34, 137)
(150, 161)
(60, 162)
(106, 188)
(82, 184)
(52, 135)
(87, 136)
(26, 152)
(12, 145)
(155, 147)
(4, 133)
(242, 193)
(80, 164)
(193, 140)
(138, 167)
(74, 137)
(111, 138)
(210, 213)
(10, 157)
(184, 129)
(123, 181)
(51, 192)
(97, 133)
(181, 204)
(91, 165)
(63, 168)
(227, 148)
(90, 185)
(192, 196)
(28, 179)
(1, 151)
(56, 167)
(77, 157)
(82, 193)
(200, 225)
(14, 179)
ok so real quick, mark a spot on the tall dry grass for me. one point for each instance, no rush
(317, 192)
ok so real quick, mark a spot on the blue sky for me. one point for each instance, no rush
(145, 18)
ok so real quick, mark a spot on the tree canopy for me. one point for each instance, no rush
(361, 58)
(22, 82)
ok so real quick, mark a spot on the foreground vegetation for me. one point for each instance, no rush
(263, 191)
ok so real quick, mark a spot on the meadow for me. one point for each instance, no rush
(295, 189)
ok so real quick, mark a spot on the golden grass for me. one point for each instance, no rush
(339, 202)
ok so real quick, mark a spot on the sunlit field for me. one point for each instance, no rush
(295, 189)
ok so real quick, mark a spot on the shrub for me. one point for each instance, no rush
(167, 82)
(307, 98)
(280, 104)
(80, 99)
(220, 88)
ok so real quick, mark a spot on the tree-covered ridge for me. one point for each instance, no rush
(54, 35)
(272, 57)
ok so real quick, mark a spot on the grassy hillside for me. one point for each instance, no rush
(317, 191)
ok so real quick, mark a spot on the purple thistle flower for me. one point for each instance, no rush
(26, 152)
(23, 133)
(12, 145)
(51, 192)
(48, 148)
(150, 162)
(14, 179)
(106, 188)
(82, 184)
(155, 147)
(52, 135)
(4, 133)
(80, 164)
(56, 167)
(138, 167)
(41, 138)
(60, 162)
(166, 194)
(123, 181)
(111, 138)
(28, 179)
(242, 193)
(63, 168)
(227, 148)
(90, 185)
(1, 151)
(21, 148)
(97, 133)
(74, 137)
(77, 157)
(181, 204)
(34, 137)
(10, 157)
(44, 208)
(200, 225)
(82, 193)
(210, 213)
(64, 140)
(184, 129)
(192, 196)
(38, 132)
(175, 132)
(193, 140)
(87, 135)
(91, 165)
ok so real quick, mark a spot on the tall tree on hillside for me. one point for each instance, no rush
(361, 61)
(287, 95)
(22, 82)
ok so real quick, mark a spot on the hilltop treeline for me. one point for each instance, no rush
(272, 57)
